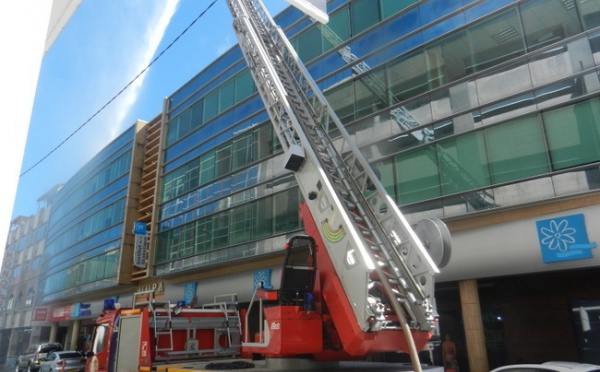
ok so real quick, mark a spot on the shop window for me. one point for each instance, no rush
(585, 317)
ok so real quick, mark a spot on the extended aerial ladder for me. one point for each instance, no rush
(381, 263)
(451, 169)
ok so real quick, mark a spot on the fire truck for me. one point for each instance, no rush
(156, 332)
(360, 282)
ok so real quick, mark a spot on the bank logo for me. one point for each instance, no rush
(564, 239)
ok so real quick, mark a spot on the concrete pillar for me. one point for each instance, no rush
(475, 337)
(74, 334)
(53, 332)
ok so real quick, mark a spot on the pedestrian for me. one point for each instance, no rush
(449, 355)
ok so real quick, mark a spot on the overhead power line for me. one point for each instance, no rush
(120, 92)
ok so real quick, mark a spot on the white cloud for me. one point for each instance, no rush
(152, 36)
(125, 46)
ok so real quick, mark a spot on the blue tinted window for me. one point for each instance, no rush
(287, 17)
(332, 62)
(444, 27)
(370, 42)
(396, 50)
(303, 25)
(230, 58)
(435, 9)
(403, 25)
(191, 144)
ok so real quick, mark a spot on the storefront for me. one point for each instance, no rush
(536, 281)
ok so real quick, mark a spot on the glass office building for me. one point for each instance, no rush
(87, 224)
(483, 113)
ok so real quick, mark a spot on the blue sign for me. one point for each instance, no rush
(139, 228)
(189, 293)
(80, 309)
(263, 277)
(564, 239)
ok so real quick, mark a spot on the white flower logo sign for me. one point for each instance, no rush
(558, 236)
(564, 239)
(263, 277)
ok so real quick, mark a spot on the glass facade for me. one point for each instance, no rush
(85, 231)
(462, 101)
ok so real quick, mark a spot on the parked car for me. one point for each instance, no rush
(62, 361)
(32, 358)
(550, 367)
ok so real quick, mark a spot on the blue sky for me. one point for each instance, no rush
(103, 47)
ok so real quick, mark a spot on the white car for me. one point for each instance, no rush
(71, 361)
(550, 367)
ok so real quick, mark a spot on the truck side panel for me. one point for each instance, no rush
(128, 349)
